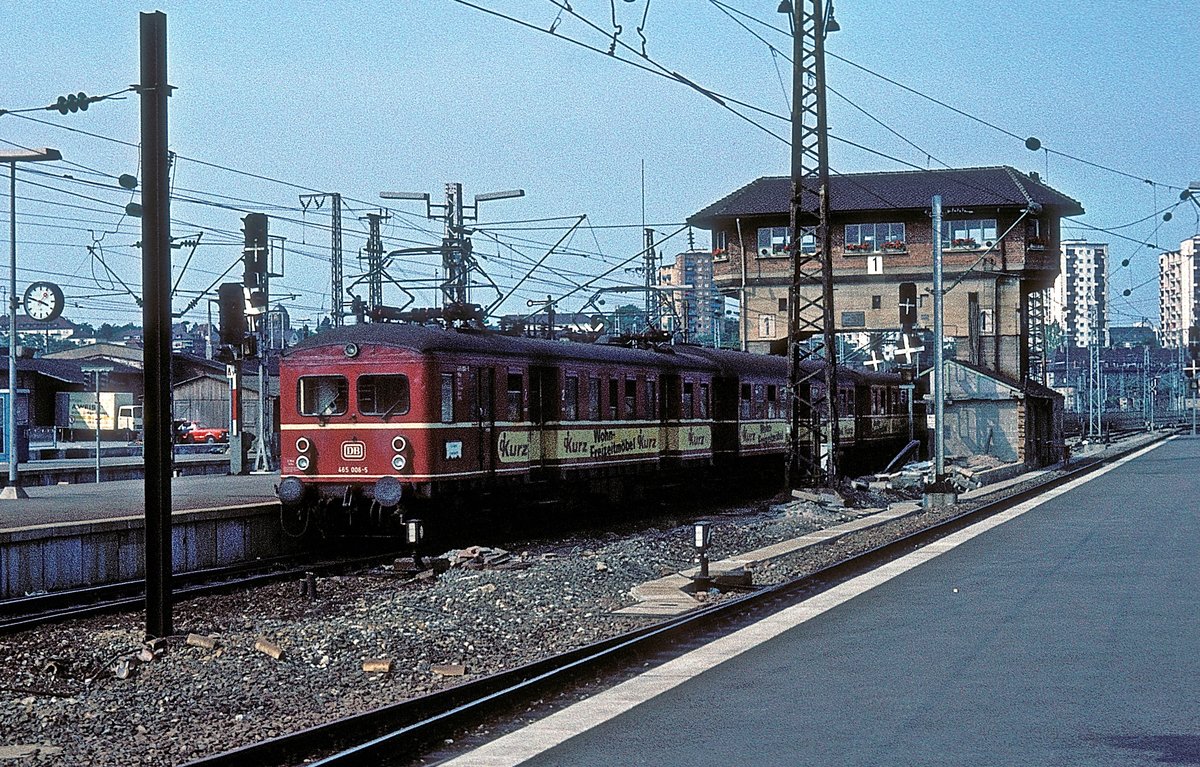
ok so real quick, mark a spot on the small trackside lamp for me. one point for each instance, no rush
(414, 532)
(703, 536)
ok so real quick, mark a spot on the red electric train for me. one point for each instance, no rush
(392, 420)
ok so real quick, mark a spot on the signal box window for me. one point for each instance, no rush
(689, 399)
(323, 396)
(447, 398)
(593, 399)
(744, 405)
(571, 399)
(515, 397)
(630, 398)
(385, 395)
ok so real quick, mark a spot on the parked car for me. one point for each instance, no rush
(191, 433)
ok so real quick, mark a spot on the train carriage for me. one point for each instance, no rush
(391, 418)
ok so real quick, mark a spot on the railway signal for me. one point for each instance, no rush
(907, 350)
(908, 306)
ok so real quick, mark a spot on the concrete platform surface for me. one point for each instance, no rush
(58, 504)
(1060, 632)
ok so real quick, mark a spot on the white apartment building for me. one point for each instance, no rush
(1079, 299)
(1177, 292)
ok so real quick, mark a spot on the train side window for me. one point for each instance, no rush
(593, 412)
(515, 397)
(760, 401)
(651, 399)
(447, 398)
(323, 396)
(744, 410)
(384, 395)
(571, 399)
(772, 401)
(613, 400)
(703, 400)
(631, 398)
(689, 399)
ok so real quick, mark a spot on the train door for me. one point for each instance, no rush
(544, 401)
(485, 417)
(669, 398)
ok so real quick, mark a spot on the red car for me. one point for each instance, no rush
(190, 432)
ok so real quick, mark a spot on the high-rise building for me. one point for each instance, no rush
(691, 304)
(1177, 292)
(1079, 301)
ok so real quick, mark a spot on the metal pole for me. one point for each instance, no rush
(11, 424)
(97, 374)
(156, 320)
(910, 388)
(939, 373)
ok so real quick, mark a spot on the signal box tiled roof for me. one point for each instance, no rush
(992, 187)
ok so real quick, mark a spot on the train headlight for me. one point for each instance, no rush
(399, 443)
(399, 462)
(302, 463)
(303, 445)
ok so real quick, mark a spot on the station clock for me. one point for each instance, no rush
(43, 301)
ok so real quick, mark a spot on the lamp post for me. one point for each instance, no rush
(12, 157)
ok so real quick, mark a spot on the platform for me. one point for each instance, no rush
(112, 467)
(66, 536)
(1060, 632)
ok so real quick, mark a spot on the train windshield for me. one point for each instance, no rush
(323, 396)
(385, 395)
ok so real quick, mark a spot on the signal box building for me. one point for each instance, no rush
(882, 237)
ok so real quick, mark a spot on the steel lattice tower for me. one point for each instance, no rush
(810, 306)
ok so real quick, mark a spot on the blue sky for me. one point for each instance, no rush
(360, 98)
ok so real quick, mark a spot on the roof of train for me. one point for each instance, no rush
(425, 340)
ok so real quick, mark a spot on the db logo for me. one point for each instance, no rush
(354, 451)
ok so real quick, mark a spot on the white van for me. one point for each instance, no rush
(129, 417)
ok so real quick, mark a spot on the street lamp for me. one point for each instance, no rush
(12, 157)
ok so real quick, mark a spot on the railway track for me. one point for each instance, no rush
(397, 733)
(40, 609)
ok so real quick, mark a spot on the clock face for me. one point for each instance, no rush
(43, 301)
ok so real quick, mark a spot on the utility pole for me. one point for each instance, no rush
(336, 288)
(939, 362)
(153, 90)
(1096, 382)
(375, 260)
(653, 316)
(810, 301)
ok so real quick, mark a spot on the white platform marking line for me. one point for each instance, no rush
(533, 739)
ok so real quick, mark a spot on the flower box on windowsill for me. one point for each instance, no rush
(962, 245)
(860, 250)
(894, 246)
